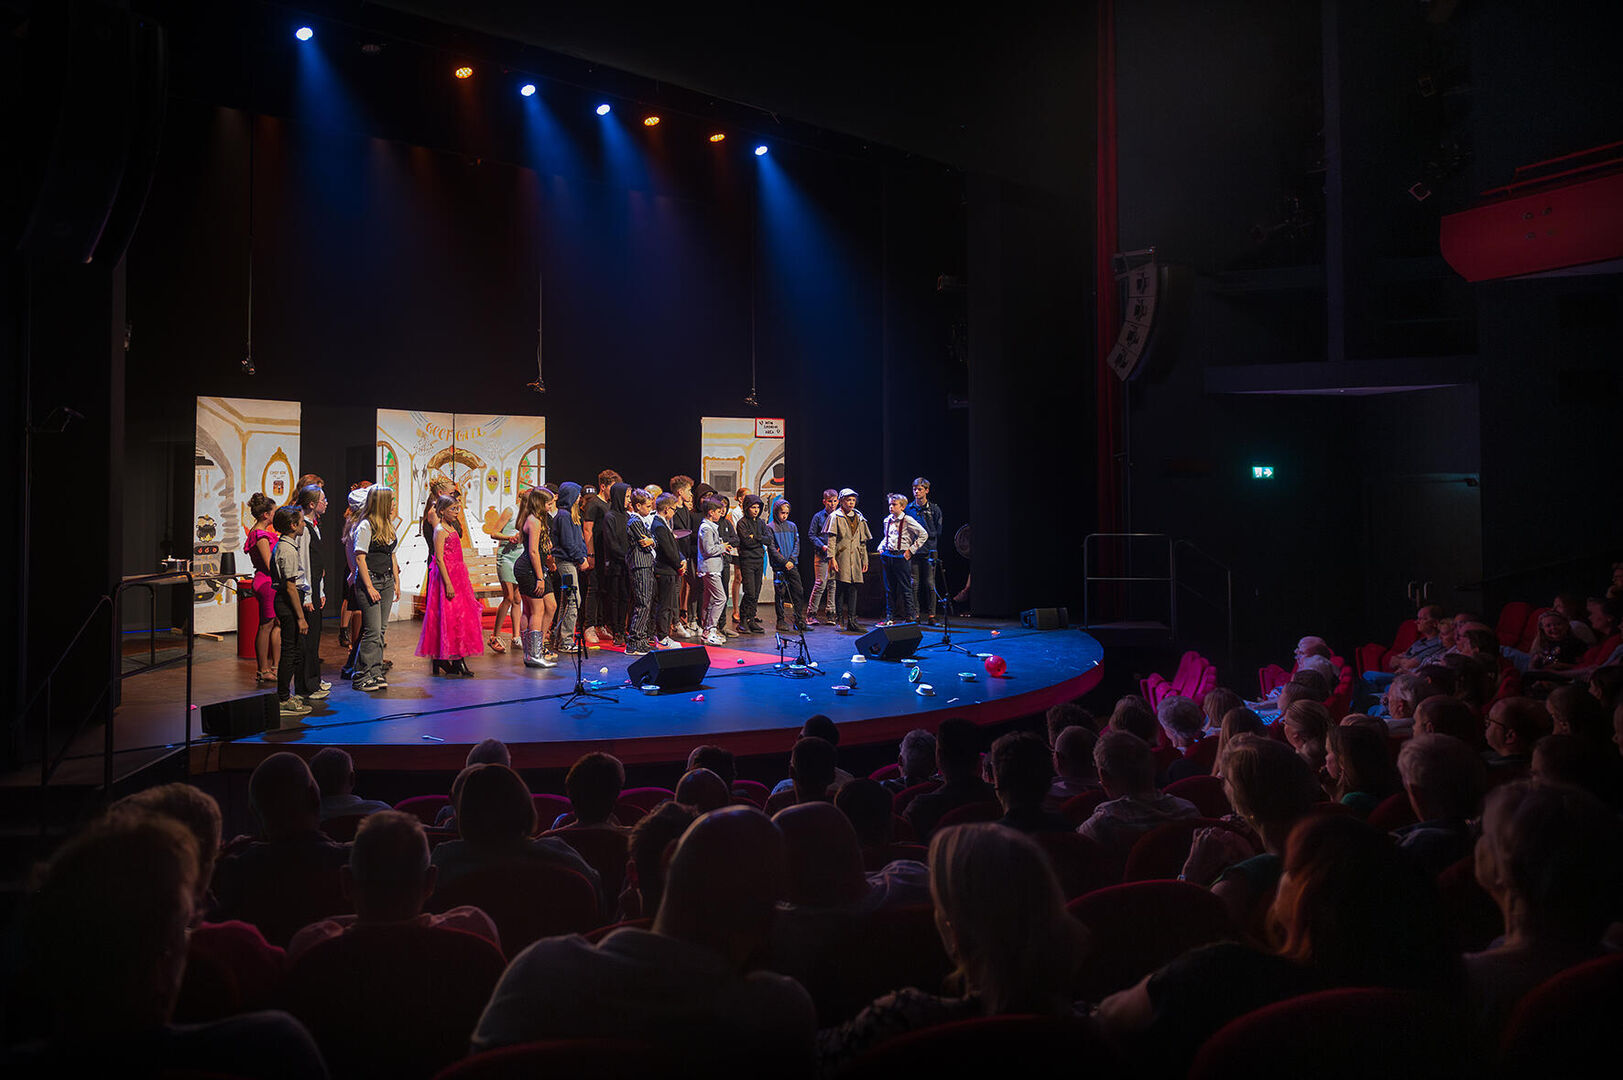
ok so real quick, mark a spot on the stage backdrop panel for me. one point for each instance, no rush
(492, 458)
(244, 445)
(736, 452)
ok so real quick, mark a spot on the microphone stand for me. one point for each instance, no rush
(579, 644)
(943, 596)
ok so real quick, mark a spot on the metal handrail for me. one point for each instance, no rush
(150, 583)
(1228, 591)
(46, 764)
(1088, 578)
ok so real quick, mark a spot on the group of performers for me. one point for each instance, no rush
(581, 567)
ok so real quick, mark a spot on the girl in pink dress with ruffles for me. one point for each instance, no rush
(452, 626)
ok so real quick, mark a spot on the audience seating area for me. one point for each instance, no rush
(394, 968)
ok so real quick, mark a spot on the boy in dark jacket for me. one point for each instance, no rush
(783, 548)
(669, 566)
(752, 543)
(616, 573)
(569, 550)
(640, 565)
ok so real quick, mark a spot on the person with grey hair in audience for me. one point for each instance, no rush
(1127, 772)
(389, 878)
(1402, 697)
(334, 771)
(915, 759)
(1445, 780)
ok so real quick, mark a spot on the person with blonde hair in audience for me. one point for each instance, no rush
(1236, 722)
(1271, 789)
(1216, 705)
(105, 947)
(1306, 725)
(1552, 859)
(1002, 919)
(1350, 910)
(1445, 781)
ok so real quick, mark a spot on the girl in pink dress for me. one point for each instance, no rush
(451, 621)
(261, 542)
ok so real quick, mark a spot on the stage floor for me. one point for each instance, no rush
(428, 722)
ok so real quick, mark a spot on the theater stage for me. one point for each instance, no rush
(427, 722)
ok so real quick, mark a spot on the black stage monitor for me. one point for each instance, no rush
(1045, 618)
(890, 642)
(241, 717)
(671, 669)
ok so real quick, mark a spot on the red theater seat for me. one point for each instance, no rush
(1393, 812)
(1160, 853)
(1512, 617)
(968, 815)
(900, 802)
(604, 850)
(1142, 925)
(646, 798)
(527, 899)
(991, 1047)
(1564, 1027)
(1080, 864)
(548, 809)
(1078, 808)
(425, 808)
(598, 1058)
(1206, 792)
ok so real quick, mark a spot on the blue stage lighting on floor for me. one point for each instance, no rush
(528, 89)
(759, 150)
(304, 33)
(602, 110)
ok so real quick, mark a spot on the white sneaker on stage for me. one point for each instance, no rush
(713, 638)
(667, 643)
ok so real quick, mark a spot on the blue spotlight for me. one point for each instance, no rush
(759, 150)
(602, 110)
(304, 33)
(528, 89)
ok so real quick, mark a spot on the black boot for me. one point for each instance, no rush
(459, 666)
(439, 667)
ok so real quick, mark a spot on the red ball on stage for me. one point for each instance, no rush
(996, 666)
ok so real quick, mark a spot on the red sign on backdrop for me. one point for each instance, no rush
(769, 427)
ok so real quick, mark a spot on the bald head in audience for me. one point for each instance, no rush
(703, 790)
(284, 796)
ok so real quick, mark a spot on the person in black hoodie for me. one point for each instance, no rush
(669, 566)
(752, 532)
(616, 572)
(570, 552)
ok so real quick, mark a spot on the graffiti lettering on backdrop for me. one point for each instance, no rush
(244, 446)
(490, 457)
(737, 452)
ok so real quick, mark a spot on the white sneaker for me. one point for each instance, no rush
(682, 632)
(666, 643)
(325, 685)
(293, 707)
(713, 638)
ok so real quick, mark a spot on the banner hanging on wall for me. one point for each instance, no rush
(244, 446)
(491, 457)
(744, 451)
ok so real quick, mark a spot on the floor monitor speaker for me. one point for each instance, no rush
(671, 669)
(241, 717)
(890, 642)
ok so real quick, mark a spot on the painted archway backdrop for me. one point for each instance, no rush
(492, 457)
(244, 446)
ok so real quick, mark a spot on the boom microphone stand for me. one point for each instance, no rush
(943, 596)
(579, 643)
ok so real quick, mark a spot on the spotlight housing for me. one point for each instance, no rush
(718, 136)
(464, 72)
(650, 121)
(603, 110)
(760, 150)
(527, 90)
(304, 33)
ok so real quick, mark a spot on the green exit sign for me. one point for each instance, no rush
(1262, 472)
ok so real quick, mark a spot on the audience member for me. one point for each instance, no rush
(1067, 714)
(289, 877)
(1350, 911)
(1182, 722)
(1439, 715)
(1566, 760)
(1236, 722)
(703, 790)
(686, 983)
(230, 967)
(1552, 859)
(1127, 772)
(484, 752)
(1134, 716)
(1216, 705)
(1074, 772)
(593, 785)
(719, 760)
(1002, 919)
(388, 879)
(1514, 725)
(958, 745)
(1022, 776)
(1575, 711)
(812, 772)
(334, 771)
(105, 936)
(915, 759)
(817, 726)
(496, 817)
(1306, 725)
(648, 854)
(1427, 643)
(1402, 697)
(1271, 789)
(1359, 766)
(1445, 781)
